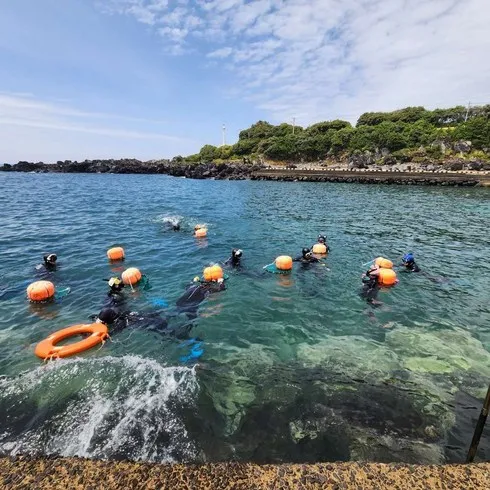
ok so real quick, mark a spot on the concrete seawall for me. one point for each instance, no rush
(375, 177)
(74, 473)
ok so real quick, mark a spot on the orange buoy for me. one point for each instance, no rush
(387, 277)
(319, 248)
(384, 263)
(213, 273)
(284, 263)
(115, 253)
(201, 233)
(47, 348)
(40, 291)
(131, 276)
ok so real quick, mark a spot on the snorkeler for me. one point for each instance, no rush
(115, 294)
(408, 261)
(370, 286)
(49, 263)
(306, 257)
(235, 259)
(195, 294)
(117, 321)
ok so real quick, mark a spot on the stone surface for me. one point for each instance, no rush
(73, 473)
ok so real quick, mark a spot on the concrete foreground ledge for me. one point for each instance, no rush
(81, 474)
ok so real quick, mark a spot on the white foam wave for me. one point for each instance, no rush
(108, 407)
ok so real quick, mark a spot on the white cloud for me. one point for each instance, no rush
(220, 53)
(322, 59)
(78, 134)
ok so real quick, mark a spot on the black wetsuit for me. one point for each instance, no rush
(234, 262)
(411, 266)
(370, 287)
(195, 294)
(305, 260)
(45, 270)
(115, 298)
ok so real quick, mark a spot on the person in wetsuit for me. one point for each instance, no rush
(306, 257)
(195, 294)
(370, 283)
(174, 225)
(235, 259)
(49, 264)
(408, 261)
(115, 295)
(118, 320)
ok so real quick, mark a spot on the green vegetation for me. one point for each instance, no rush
(405, 135)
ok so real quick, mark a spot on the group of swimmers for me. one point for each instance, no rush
(116, 315)
(370, 280)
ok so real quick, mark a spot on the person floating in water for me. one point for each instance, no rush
(174, 225)
(408, 261)
(115, 294)
(235, 259)
(323, 240)
(117, 320)
(195, 294)
(306, 257)
(49, 263)
(370, 287)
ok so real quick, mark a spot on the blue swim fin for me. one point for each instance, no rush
(160, 302)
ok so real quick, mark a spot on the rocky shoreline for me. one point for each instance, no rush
(222, 171)
(77, 473)
(401, 175)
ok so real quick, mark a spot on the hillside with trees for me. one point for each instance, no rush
(413, 134)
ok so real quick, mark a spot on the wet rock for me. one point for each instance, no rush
(462, 146)
(361, 160)
(454, 165)
(475, 165)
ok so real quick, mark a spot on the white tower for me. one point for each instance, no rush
(224, 135)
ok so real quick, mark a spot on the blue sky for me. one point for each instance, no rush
(155, 78)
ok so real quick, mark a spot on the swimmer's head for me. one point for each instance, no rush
(322, 239)
(237, 253)
(107, 316)
(306, 253)
(50, 259)
(196, 279)
(115, 284)
(408, 258)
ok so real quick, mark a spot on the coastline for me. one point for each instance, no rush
(74, 473)
(253, 171)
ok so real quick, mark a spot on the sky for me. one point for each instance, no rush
(157, 78)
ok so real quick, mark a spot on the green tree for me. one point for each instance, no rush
(259, 130)
(325, 126)
(476, 130)
(340, 140)
(208, 153)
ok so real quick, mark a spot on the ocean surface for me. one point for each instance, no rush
(295, 368)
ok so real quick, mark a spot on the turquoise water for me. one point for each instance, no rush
(295, 368)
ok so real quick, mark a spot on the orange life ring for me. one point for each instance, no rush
(48, 349)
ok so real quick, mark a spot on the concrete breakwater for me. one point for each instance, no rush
(76, 473)
(468, 179)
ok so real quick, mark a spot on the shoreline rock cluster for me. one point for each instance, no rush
(132, 166)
